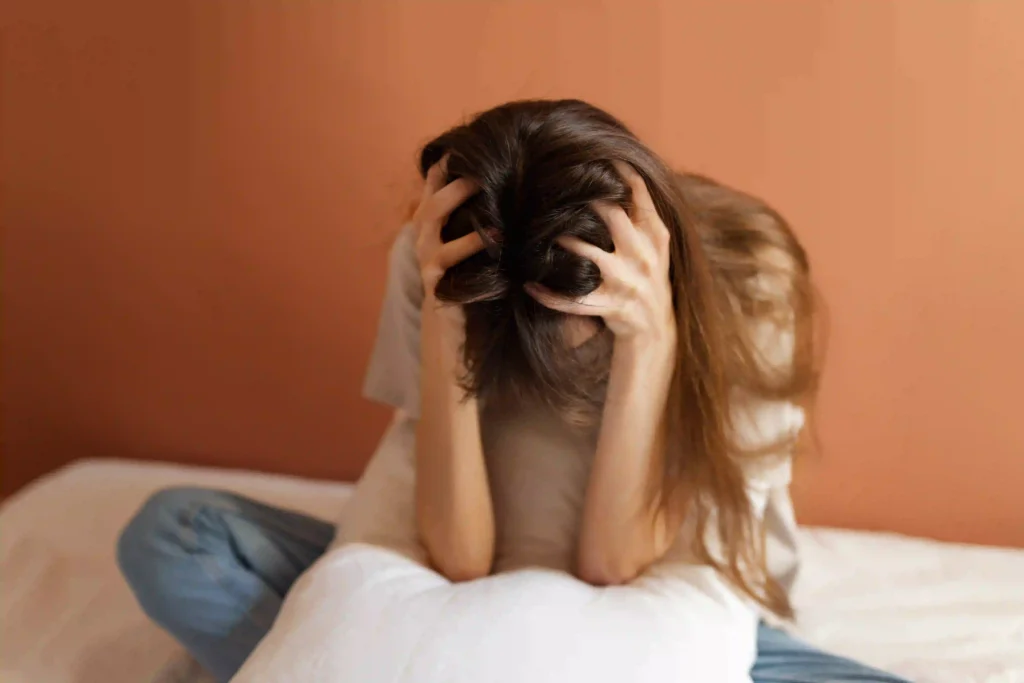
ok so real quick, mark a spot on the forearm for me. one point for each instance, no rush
(453, 502)
(622, 533)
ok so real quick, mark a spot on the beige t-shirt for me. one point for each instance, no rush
(537, 465)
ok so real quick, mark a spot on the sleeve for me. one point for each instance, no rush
(393, 375)
(760, 423)
(382, 510)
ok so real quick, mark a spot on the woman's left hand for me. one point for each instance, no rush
(635, 295)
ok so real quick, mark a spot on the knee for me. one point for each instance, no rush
(160, 537)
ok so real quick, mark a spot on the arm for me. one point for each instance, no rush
(621, 532)
(453, 501)
(454, 513)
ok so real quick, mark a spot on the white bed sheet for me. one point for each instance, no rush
(934, 612)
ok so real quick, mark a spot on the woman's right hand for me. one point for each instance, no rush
(438, 201)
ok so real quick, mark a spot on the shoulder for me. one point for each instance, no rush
(402, 257)
(769, 305)
(776, 274)
(757, 422)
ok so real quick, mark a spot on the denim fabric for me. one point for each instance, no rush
(212, 568)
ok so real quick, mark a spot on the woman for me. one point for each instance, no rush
(588, 344)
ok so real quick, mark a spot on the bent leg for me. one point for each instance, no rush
(781, 658)
(212, 568)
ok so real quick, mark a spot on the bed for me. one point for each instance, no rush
(934, 612)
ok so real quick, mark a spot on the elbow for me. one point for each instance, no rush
(460, 570)
(605, 572)
(603, 560)
(457, 552)
(458, 559)
(464, 574)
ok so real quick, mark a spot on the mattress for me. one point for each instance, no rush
(933, 612)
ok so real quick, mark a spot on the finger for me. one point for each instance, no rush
(589, 305)
(601, 258)
(492, 239)
(647, 219)
(641, 197)
(449, 197)
(458, 250)
(435, 178)
(625, 236)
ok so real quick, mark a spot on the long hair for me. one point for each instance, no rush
(540, 166)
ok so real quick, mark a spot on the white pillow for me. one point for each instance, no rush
(372, 613)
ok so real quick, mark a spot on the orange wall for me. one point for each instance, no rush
(198, 197)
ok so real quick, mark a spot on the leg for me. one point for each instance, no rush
(212, 568)
(781, 658)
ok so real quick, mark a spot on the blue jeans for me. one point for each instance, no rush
(212, 568)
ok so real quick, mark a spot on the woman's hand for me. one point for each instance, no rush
(635, 296)
(621, 533)
(438, 201)
(454, 513)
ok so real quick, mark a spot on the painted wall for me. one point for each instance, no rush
(198, 197)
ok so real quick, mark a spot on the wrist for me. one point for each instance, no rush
(643, 362)
(443, 321)
(651, 349)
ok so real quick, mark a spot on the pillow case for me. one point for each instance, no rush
(371, 611)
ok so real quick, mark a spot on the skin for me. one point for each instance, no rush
(621, 533)
(454, 512)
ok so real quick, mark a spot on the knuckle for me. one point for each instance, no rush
(629, 317)
(433, 271)
(662, 235)
(631, 290)
(647, 266)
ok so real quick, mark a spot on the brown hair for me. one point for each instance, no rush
(739, 276)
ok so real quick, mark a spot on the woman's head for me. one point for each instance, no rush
(540, 166)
